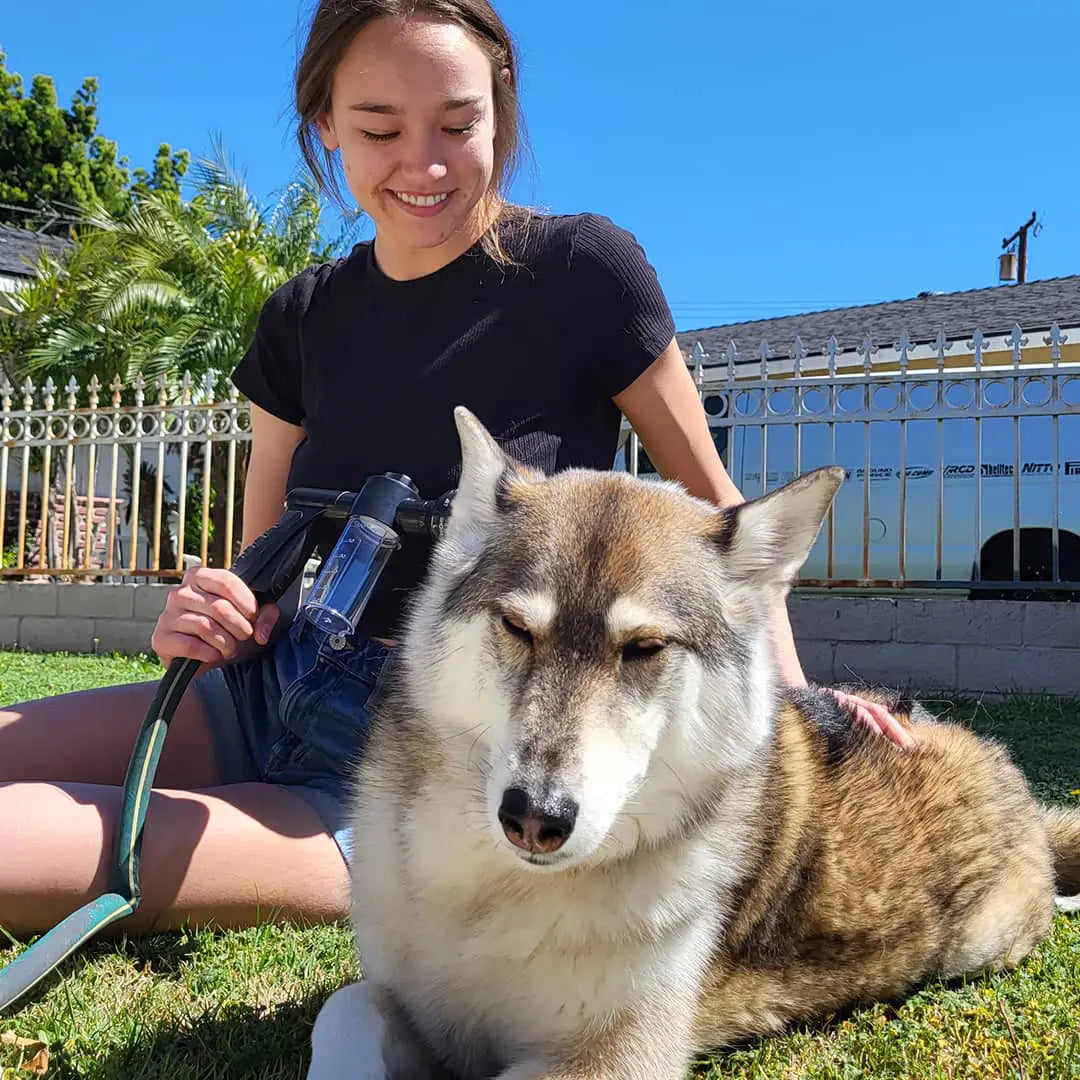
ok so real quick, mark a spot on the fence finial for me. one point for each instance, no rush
(1017, 341)
(832, 346)
(903, 347)
(798, 355)
(698, 355)
(941, 346)
(867, 350)
(1055, 339)
(731, 354)
(977, 343)
(765, 354)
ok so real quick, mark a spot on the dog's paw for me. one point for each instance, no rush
(347, 1038)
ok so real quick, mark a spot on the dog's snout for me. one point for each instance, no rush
(542, 825)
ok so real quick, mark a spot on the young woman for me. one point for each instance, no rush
(547, 327)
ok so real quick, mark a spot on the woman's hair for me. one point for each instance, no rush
(333, 28)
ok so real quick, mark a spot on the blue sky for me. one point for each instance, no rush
(771, 156)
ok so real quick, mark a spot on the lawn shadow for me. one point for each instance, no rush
(236, 1041)
(164, 953)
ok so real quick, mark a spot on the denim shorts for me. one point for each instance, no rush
(298, 716)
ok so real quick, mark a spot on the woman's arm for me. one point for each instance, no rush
(663, 406)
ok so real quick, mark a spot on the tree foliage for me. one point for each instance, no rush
(173, 284)
(55, 167)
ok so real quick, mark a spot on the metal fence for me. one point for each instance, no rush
(117, 485)
(962, 458)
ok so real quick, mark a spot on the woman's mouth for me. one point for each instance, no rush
(420, 204)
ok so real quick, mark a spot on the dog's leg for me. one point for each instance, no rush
(359, 1035)
(347, 1038)
(649, 1046)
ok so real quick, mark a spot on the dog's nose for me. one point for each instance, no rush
(542, 826)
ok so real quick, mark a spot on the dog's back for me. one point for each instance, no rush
(876, 868)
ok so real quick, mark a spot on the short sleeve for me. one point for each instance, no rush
(269, 374)
(630, 322)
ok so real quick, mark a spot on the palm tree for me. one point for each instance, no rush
(175, 285)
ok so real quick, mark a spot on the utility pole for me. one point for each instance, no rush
(1020, 272)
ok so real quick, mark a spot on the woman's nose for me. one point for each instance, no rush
(423, 158)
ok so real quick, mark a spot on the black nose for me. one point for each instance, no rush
(537, 825)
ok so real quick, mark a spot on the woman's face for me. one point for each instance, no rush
(413, 116)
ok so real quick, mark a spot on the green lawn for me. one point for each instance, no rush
(240, 1005)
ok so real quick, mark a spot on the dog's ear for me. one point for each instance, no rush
(767, 540)
(487, 475)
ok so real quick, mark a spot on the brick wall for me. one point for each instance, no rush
(942, 645)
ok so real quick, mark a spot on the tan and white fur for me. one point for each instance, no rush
(593, 836)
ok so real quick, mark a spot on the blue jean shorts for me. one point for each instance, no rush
(298, 716)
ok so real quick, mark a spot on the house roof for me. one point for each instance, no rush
(1035, 306)
(19, 249)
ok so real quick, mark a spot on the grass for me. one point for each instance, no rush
(240, 1005)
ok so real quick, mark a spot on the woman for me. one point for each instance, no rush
(547, 327)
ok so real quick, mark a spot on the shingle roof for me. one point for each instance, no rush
(1035, 306)
(19, 249)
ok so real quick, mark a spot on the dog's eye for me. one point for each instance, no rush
(642, 648)
(514, 626)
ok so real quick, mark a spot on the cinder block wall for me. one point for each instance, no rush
(937, 645)
(79, 618)
(947, 645)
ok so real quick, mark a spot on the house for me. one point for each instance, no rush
(955, 416)
(19, 252)
(930, 321)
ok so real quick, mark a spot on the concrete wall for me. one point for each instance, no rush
(936, 645)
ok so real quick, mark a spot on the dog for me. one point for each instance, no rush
(594, 838)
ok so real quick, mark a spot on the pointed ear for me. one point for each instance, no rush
(767, 540)
(486, 472)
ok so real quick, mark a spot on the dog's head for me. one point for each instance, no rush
(598, 647)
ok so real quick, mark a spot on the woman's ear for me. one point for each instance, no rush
(325, 125)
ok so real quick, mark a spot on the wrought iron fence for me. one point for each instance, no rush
(125, 484)
(962, 457)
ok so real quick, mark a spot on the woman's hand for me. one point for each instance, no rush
(209, 616)
(876, 717)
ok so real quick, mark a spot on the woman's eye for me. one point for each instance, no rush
(379, 136)
(516, 628)
(642, 649)
(461, 130)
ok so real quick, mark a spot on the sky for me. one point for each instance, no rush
(771, 157)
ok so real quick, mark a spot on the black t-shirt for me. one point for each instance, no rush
(372, 367)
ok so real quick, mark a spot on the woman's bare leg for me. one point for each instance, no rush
(213, 855)
(87, 737)
(225, 857)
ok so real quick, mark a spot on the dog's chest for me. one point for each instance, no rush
(507, 959)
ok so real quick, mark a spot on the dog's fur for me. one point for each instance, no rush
(741, 857)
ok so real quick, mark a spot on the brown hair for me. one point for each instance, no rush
(333, 27)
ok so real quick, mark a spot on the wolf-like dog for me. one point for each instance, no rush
(593, 836)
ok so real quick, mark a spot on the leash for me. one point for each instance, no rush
(269, 565)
